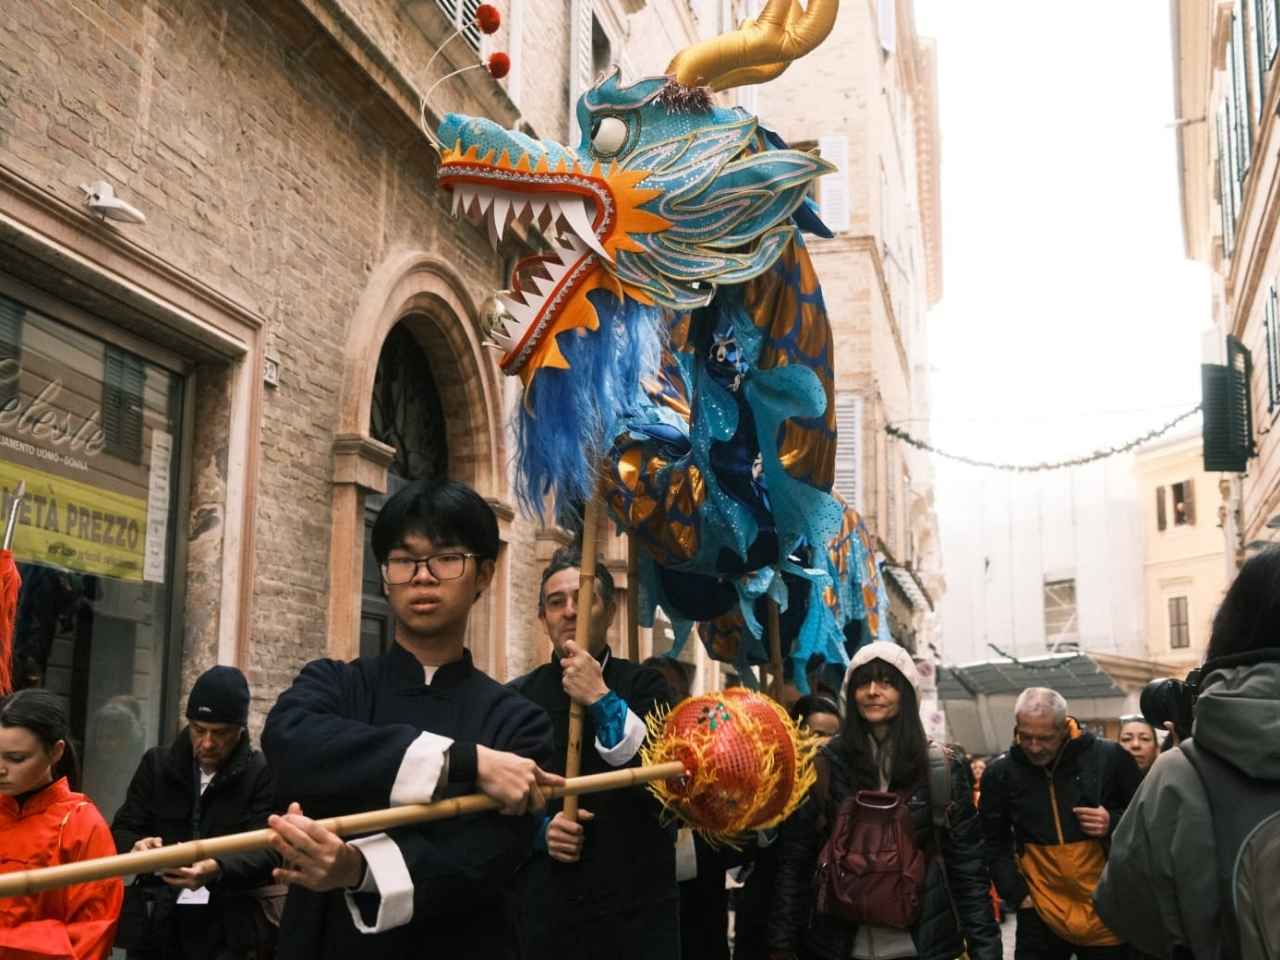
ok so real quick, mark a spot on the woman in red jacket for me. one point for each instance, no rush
(43, 823)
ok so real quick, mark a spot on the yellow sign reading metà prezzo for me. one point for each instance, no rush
(65, 523)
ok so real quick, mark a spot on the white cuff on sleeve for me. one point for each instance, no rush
(419, 771)
(388, 877)
(626, 748)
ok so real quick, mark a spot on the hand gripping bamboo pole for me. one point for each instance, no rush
(582, 636)
(26, 882)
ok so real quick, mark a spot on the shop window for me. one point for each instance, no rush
(1184, 504)
(94, 537)
(1179, 629)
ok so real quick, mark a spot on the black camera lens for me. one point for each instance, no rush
(1168, 700)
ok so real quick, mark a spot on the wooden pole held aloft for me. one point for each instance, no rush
(774, 628)
(582, 636)
(26, 882)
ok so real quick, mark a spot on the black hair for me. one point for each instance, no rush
(446, 512)
(570, 558)
(1249, 618)
(813, 703)
(669, 665)
(908, 746)
(42, 713)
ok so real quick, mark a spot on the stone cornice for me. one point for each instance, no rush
(106, 259)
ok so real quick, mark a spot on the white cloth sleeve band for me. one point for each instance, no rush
(420, 770)
(626, 748)
(388, 877)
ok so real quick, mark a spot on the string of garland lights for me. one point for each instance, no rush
(1100, 454)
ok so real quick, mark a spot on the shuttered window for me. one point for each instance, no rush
(460, 12)
(833, 188)
(1272, 337)
(1226, 204)
(1161, 519)
(10, 349)
(1179, 624)
(848, 477)
(1264, 19)
(1239, 91)
(123, 379)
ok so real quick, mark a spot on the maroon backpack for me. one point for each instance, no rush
(871, 869)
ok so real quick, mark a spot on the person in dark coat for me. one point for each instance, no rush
(207, 783)
(882, 745)
(418, 723)
(604, 887)
(1049, 807)
(820, 715)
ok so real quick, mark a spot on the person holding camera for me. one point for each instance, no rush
(1202, 836)
(1048, 807)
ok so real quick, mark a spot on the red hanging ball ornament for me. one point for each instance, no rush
(488, 18)
(499, 65)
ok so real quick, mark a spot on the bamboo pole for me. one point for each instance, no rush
(775, 648)
(633, 599)
(26, 882)
(581, 636)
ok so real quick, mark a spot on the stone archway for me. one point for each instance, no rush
(429, 298)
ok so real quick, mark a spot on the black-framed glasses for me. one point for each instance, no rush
(441, 566)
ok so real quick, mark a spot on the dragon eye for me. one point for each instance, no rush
(608, 135)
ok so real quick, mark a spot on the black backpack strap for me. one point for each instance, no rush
(1237, 803)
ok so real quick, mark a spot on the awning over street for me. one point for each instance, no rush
(978, 697)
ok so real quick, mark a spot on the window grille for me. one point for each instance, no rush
(1061, 622)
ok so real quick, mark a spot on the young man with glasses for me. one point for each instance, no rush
(1048, 809)
(605, 886)
(416, 724)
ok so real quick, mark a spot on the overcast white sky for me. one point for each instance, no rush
(1069, 316)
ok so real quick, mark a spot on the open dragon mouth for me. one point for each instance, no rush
(541, 286)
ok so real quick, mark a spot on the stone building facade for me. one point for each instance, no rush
(208, 396)
(1226, 98)
(867, 100)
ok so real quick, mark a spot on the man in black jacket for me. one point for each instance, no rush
(207, 783)
(1048, 809)
(604, 887)
(417, 723)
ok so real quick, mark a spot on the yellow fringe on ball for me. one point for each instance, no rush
(699, 742)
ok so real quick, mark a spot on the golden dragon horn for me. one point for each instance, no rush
(758, 50)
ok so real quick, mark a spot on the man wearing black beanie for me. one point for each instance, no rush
(208, 782)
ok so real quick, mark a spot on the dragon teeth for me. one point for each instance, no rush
(574, 211)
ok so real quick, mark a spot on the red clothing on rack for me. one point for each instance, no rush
(71, 923)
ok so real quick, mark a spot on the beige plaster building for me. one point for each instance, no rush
(867, 100)
(1226, 96)
(208, 407)
(1185, 563)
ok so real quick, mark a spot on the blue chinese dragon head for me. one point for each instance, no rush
(665, 199)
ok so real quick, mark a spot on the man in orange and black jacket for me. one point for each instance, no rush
(1048, 808)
